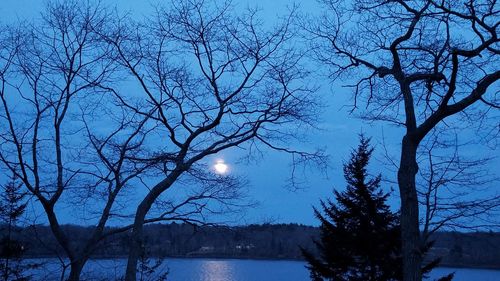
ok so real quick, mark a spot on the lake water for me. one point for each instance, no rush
(204, 269)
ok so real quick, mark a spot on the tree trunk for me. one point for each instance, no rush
(410, 231)
(136, 241)
(76, 270)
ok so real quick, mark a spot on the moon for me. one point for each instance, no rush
(220, 167)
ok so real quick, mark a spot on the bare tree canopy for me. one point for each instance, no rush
(210, 80)
(96, 106)
(418, 63)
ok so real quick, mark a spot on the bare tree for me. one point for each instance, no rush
(418, 63)
(209, 81)
(51, 65)
(455, 191)
(70, 140)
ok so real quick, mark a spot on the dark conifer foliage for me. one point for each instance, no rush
(12, 206)
(360, 235)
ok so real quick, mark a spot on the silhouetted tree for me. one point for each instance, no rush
(56, 76)
(12, 206)
(421, 65)
(360, 235)
(209, 80)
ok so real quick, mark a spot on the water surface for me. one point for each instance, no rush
(205, 269)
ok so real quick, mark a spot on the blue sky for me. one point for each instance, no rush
(268, 175)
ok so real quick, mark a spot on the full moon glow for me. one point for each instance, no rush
(220, 167)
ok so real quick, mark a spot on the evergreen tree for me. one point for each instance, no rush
(12, 206)
(359, 235)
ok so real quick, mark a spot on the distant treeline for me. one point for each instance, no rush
(266, 241)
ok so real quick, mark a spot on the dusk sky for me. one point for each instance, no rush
(267, 175)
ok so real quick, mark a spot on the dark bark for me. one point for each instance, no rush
(76, 270)
(410, 234)
(136, 241)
